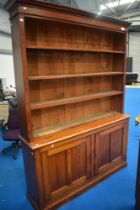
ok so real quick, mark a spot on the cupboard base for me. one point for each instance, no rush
(61, 170)
(76, 192)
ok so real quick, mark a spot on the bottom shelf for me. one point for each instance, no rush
(53, 129)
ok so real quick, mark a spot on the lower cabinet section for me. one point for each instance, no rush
(63, 171)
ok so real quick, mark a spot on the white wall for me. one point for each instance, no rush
(134, 51)
(6, 60)
(89, 5)
(4, 21)
(7, 69)
(5, 43)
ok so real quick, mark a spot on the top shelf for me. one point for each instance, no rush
(33, 47)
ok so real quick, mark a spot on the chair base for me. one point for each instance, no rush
(14, 148)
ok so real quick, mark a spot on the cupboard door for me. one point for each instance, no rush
(65, 167)
(110, 148)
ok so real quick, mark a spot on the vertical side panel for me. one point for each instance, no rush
(69, 167)
(125, 140)
(30, 173)
(18, 40)
(88, 159)
(40, 175)
(93, 155)
(124, 76)
(45, 170)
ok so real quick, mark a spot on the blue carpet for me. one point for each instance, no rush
(115, 193)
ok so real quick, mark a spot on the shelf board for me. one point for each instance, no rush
(70, 100)
(54, 129)
(49, 77)
(73, 49)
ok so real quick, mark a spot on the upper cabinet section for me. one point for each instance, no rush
(69, 64)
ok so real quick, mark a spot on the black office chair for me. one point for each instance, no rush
(11, 131)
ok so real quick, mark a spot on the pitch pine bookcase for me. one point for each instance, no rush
(70, 76)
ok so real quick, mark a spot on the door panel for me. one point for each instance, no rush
(110, 148)
(103, 148)
(117, 143)
(65, 166)
(57, 171)
(78, 161)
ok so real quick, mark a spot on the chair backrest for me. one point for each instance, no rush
(13, 118)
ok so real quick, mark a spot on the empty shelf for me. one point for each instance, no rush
(70, 100)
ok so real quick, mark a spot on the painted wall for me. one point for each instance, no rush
(134, 51)
(89, 5)
(5, 43)
(4, 21)
(7, 70)
(6, 61)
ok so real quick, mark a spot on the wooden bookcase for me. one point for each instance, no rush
(70, 76)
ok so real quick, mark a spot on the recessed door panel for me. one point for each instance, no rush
(66, 166)
(110, 148)
(117, 143)
(57, 166)
(103, 150)
(79, 161)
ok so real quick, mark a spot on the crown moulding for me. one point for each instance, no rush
(42, 4)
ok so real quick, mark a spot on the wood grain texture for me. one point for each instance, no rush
(71, 100)
(80, 162)
(109, 147)
(82, 129)
(30, 173)
(44, 63)
(95, 50)
(21, 74)
(70, 76)
(51, 77)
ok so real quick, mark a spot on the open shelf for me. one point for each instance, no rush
(73, 74)
(57, 63)
(61, 35)
(53, 129)
(58, 102)
(40, 47)
(49, 77)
